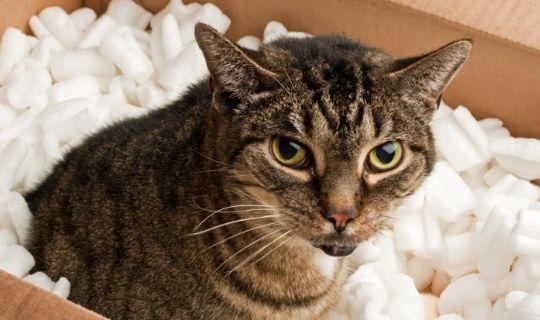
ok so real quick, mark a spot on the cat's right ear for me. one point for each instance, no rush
(233, 70)
(424, 78)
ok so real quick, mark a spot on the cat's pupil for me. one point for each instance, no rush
(288, 148)
(386, 152)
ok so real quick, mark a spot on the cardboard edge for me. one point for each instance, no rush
(37, 303)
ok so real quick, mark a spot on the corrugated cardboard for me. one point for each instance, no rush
(501, 79)
(21, 300)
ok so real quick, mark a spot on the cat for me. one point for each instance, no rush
(244, 198)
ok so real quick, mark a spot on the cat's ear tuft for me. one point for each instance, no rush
(233, 70)
(424, 78)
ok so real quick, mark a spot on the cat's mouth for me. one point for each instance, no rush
(337, 250)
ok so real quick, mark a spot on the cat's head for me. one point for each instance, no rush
(330, 131)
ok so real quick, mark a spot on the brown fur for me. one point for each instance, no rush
(121, 215)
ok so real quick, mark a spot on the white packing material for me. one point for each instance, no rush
(61, 26)
(469, 234)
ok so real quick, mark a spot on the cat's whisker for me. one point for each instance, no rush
(233, 206)
(253, 198)
(213, 160)
(245, 247)
(250, 210)
(224, 210)
(272, 250)
(233, 222)
(212, 170)
(258, 251)
(238, 234)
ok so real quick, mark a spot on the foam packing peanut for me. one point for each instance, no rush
(96, 31)
(493, 175)
(478, 310)
(130, 13)
(208, 14)
(7, 115)
(473, 129)
(83, 17)
(151, 96)
(523, 168)
(16, 260)
(526, 246)
(65, 65)
(41, 280)
(14, 47)
(528, 223)
(180, 72)
(498, 311)
(16, 210)
(455, 144)
(122, 48)
(527, 309)
(486, 202)
(249, 42)
(80, 86)
(273, 30)
(494, 262)
(7, 238)
(171, 40)
(61, 26)
(520, 278)
(28, 86)
(447, 195)
(39, 30)
(463, 290)
(518, 155)
(404, 300)
(156, 49)
(180, 11)
(19, 125)
(532, 265)
(62, 288)
(458, 252)
(15, 158)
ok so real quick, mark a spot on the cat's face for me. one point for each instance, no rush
(330, 132)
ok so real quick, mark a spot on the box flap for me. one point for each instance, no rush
(517, 20)
(24, 301)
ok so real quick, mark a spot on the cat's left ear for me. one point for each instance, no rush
(424, 78)
(233, 69)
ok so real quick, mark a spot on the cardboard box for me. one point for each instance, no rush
(501, 79)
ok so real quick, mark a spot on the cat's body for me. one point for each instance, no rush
(132, 216)
(116, 215)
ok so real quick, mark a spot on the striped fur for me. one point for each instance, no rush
(184, 214)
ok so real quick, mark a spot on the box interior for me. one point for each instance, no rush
(501, 79)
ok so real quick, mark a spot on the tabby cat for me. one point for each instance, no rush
(242, 199)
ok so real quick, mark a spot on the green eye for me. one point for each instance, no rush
(289, 152)
(385, 156)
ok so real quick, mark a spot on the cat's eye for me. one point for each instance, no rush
(289, 152)
(385, 156)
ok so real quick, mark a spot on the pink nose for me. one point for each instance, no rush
(340, 221)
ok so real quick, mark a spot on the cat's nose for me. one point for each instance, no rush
(340, 220)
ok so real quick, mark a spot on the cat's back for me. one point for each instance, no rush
(132, 144)
(100, 216)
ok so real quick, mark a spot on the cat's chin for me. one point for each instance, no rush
(336, 250)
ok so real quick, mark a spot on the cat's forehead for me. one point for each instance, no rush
(331, 88)
(327, 95)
